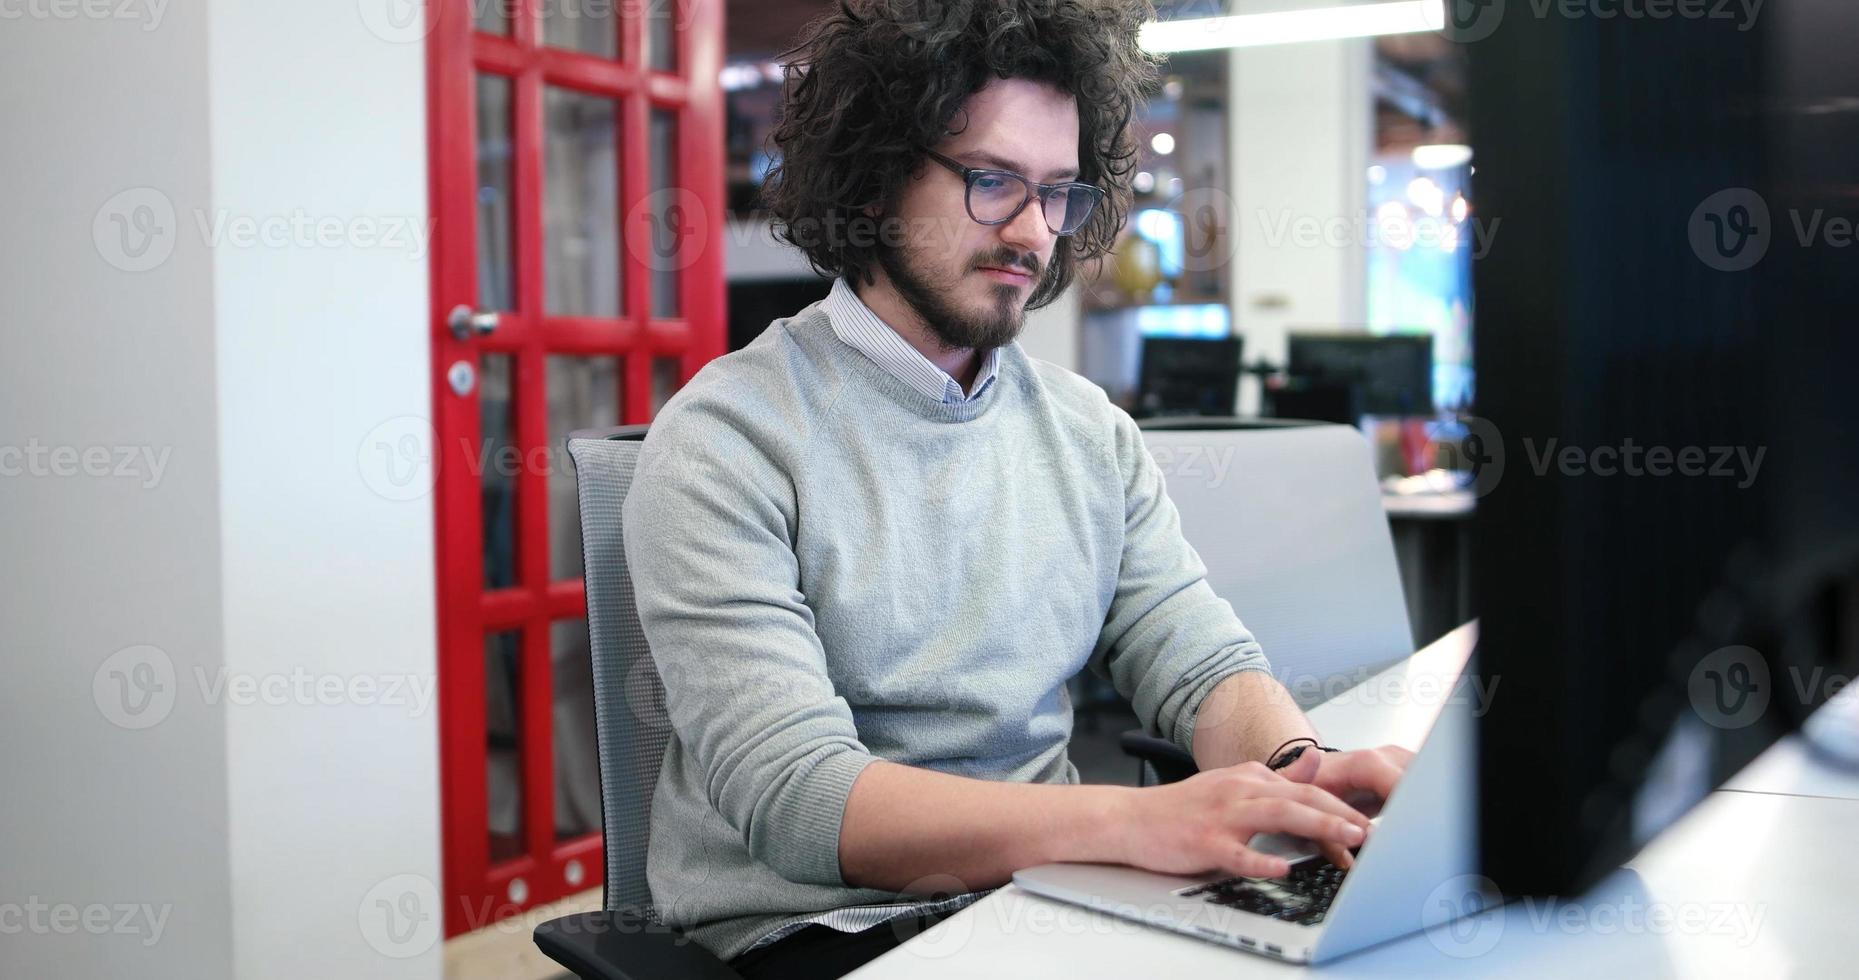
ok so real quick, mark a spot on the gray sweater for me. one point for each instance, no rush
(832, 568)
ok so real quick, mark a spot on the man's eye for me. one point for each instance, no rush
(989, 183)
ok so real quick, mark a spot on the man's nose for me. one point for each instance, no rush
(1028, 229)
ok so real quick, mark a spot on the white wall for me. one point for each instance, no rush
(322, 361)
(1301, 127)
(244, 545)
(1052, 332)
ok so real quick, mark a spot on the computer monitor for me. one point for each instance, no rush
(1392, 375)
(1666, 549)
(1188, 376)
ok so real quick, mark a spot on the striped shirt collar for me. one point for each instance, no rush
(859, 327)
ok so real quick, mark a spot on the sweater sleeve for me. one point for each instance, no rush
(708, 533)
(1167, 640)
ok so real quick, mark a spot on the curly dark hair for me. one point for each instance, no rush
(871, 85)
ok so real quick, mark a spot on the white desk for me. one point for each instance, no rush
(1749, 884)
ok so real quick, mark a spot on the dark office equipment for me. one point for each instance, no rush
(1391, 375)
(1183, 376)
(1657, 603)
(1315, 401)
(754, 304)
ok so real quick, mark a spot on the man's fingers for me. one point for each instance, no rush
(1248, 863)
(1371, 772)
(1315, 797)
(1304, 769)
(1339, 856)
(1289, 816)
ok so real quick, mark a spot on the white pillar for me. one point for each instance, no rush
(1301, 126)
(190, 374)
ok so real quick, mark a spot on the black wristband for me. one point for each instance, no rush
(1280, 758)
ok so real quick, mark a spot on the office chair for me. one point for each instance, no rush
(1287, 517)
(625, 940)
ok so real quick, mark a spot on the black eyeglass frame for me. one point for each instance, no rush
(1033, 188)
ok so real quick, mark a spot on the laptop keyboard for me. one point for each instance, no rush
(1302, 897)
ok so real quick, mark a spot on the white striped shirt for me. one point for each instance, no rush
(858, 326)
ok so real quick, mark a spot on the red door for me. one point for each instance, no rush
(577, 186)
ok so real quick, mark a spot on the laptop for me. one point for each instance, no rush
(1417, 870)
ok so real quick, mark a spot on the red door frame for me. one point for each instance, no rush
(476, 891)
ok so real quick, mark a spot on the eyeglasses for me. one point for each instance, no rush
(996, 197)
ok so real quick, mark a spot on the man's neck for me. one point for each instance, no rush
(962, 363)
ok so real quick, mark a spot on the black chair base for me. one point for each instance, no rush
(626, 946)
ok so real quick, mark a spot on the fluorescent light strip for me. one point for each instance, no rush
(1291, 26)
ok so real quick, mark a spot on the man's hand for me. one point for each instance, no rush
(1363, 778)
(1203, 823)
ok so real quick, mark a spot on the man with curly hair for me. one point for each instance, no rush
(871, 547)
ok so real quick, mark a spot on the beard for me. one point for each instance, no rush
(932, 296)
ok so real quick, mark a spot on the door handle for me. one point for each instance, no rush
(465, 323)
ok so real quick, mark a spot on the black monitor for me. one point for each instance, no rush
(1188, 376)
(1666, 552)
(1391, 375)
(756, 303)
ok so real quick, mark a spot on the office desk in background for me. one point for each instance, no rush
(1757, 881)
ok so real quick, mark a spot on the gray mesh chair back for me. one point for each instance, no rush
(1289, 521)
(629, 701)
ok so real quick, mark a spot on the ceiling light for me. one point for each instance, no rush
(1442, 156)
(1291, 26)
